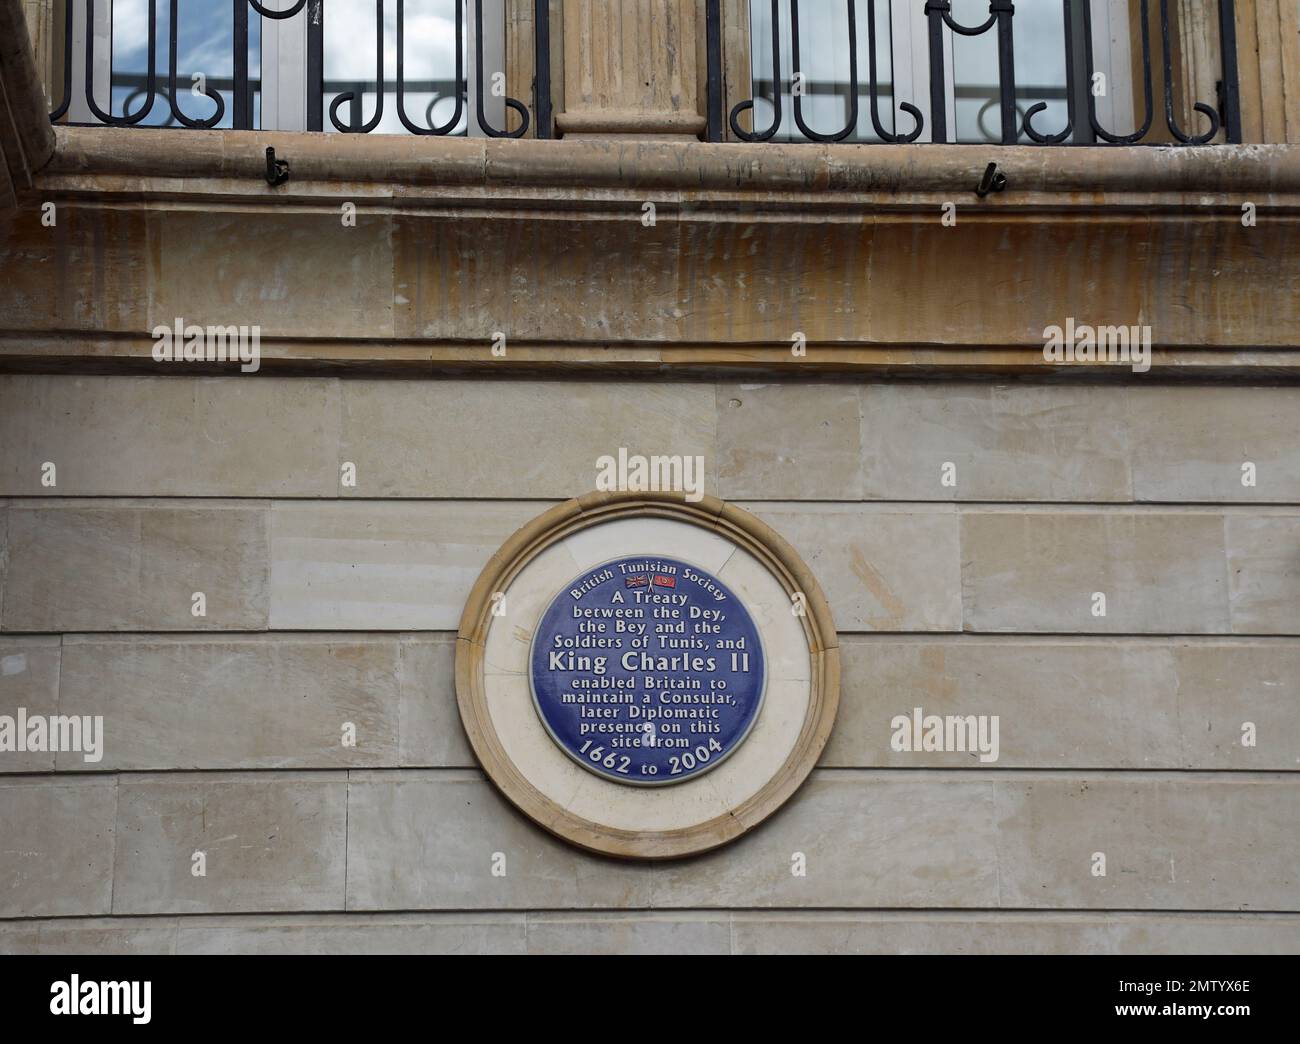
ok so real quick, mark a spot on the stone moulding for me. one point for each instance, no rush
(544, 240)
(711, 514)
(577, 172)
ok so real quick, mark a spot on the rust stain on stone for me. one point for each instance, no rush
(935, 678)
(875, 583)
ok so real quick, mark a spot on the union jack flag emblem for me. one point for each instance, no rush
(636, 581)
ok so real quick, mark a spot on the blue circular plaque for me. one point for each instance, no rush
(647, 670)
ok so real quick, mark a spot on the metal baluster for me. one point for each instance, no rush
(450, 125)
(911, 110)
(1004, 11)
(1035, 109)
(1000, 14)
(487, 127)
(740, 107)
(354, 125)
(1097, 128)
(852, 123)
(1231, 78)
(542, 66)
(936, 11)
(151, 82)
(173, 32)
(1200, 107)
(241, 118)
(316, 65)
(61, 111)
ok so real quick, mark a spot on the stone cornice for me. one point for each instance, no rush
(582, 174)
(545, 242)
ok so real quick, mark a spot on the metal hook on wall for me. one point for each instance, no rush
(277, 170)
(992, 181)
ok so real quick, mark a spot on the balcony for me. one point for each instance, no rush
(296, 65)
(1093, 72)
(1086, 72)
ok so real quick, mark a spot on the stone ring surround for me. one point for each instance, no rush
(539, 778)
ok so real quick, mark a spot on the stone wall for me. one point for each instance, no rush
(961, 499)
(328, 604)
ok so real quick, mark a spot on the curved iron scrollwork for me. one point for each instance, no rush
(1224, 118)
(852, 122)
(1001, 13)
(215, 96)
(1148, 92)
(1097, 129)
(1028, 123)
(908, 108)
(854, 88)
(352, 97)
(1082, 123)
(288, 12)
(151, 80)
(944, 9)
(743, 106)
(483, 122)
(450, 125)
(143, 91)
(1138, 135)
(1200, 107)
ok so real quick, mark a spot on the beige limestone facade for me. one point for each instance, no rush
(864, 377)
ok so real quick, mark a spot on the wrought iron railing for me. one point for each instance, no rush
(160, 98)
(1082, 126)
